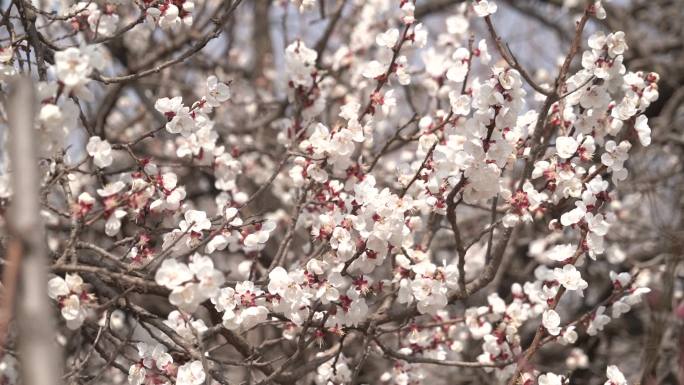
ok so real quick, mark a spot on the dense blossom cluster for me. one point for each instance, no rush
(72, 298)
(327, 234)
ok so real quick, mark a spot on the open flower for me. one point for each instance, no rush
(178, 116)
(172, 274)
(643, 130)
(191, 373)
(551, 321)
(615, 376)
(484, 8)
(72, 67)
(190, 284)
(257, 239)
(566, 146)
(550, 379)
(460, 104)
(570, 278)
(387, 39)
(218, 92)
(300, 63)
(195, 221)
(71, 297)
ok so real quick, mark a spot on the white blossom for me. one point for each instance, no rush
(191, 373)
(374, 69)
(570, 278)
(643, 130)
(100, 150)
(484, 8)
(598, 321)
(300, 62)
(71, 297)
(566, 146)
(218, 92)
(460, 104)
(550, 379)
(178, 115)
(388, 38)
(615, 376)
(551, 321)
(195, 221)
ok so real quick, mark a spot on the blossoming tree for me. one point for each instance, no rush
(354, 195)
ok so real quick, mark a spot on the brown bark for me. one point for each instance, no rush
(41, 362)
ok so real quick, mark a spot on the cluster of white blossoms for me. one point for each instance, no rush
(334, 371)
(243, 306)
(72, 298)
(73, 67)
(191, 373)
(300, 62)
(615, 377)
(198, 136)
(356, 211)
(156, 366)
(58, 112)
(190, 284)
(387, 42)
(153, 366)
(466, 147)
(100, 150)
(102, 21)
(150, 190)
(170, 14)
(185, 326)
